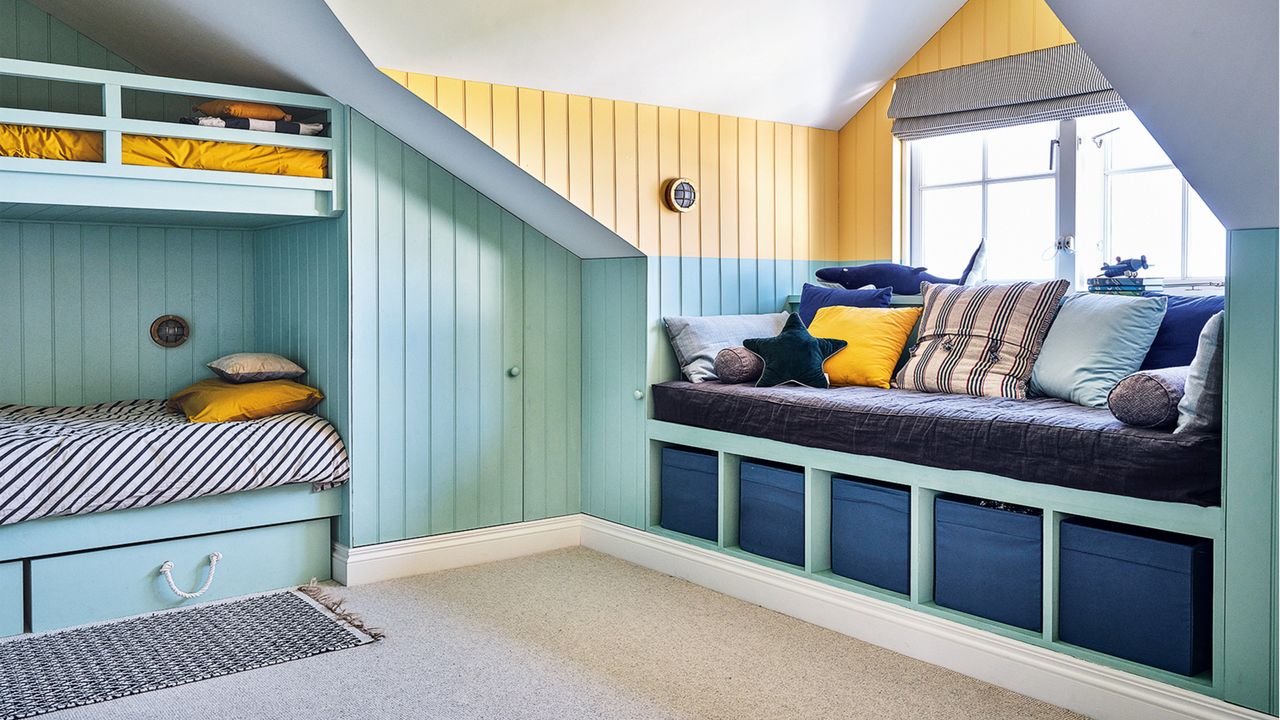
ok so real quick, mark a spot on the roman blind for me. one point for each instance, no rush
(1051, 84)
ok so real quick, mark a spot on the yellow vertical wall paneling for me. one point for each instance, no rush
(869, 202)
(611, 158)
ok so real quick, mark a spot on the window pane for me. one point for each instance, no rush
(1132, 146)
(951, 225)
(1021, 226)
(950, 158)
(1206, 240)
(1146, 219)
(1021, 150)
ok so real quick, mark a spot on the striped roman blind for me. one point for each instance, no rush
(1051, 84)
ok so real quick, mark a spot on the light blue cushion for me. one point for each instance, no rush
(1095, 342)
(1201, 407)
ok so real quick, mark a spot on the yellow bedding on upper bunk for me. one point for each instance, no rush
(86, 145)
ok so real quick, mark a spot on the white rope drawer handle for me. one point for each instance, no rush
(166, 569)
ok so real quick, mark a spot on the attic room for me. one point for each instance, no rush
(533, 359)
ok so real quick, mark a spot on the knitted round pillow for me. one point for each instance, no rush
(1149, 398)
(738, 365)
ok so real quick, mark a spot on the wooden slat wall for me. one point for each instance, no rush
(767, 190)
(28, 33)
(449, 292)
(77, 301)
(868, 183)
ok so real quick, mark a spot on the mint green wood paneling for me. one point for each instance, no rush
(552, 378)
(11, 593)
(449, 292)
(1250, 469)
(78, 301)
(613, 370)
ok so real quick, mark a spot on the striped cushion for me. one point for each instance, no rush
(980, 340)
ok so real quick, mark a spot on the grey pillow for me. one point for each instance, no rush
(738, 365)
(255, 367)
(1201, 406)
(696, 340)
(1149, 398)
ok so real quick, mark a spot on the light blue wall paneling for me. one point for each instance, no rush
(449, 292)
(1251, 427)
(77, 302)
(28, 33)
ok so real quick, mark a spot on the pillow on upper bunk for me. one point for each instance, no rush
(255, 367)
(235, 108)
(216, 400)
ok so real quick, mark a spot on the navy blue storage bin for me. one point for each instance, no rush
(1138, 594)
(987, 562)
(690, 486)
(771, 511)
(871, 533)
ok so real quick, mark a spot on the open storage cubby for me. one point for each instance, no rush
(923, 490)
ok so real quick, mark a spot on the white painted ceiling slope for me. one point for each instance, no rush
(808, 62)
(1203, 77)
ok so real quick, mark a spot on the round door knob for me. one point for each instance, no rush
(514, 371)
(639, 394)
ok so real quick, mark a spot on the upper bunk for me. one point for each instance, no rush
(112, 148)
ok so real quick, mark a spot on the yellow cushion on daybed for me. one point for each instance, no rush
(876, 337)
(217, 400)
(235, 108)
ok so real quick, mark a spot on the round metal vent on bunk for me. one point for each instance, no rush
(681, 195)
(170, 331)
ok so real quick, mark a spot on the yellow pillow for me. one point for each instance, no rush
(216, 400)
(876, 337)
(233, 108)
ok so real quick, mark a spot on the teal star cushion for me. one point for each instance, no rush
(794, 355)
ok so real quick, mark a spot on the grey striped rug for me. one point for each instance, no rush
(90, 664)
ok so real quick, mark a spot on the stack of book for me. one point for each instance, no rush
(1125, 285)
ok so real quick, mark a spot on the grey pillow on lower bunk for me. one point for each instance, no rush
(1149, 398)
(696, 340)
(738, 365)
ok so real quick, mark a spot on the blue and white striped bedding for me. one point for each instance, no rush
(77, 460)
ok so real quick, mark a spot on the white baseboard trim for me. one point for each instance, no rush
(374, 563)
(1093, 690)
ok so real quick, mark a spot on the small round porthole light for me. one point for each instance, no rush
(170, 331)
(681, 195)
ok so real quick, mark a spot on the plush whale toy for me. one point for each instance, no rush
(904, 279)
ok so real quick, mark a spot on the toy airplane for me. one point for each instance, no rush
(1125, 268)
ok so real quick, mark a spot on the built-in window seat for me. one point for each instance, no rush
(1040, 440)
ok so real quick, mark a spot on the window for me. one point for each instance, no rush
(1006, 185)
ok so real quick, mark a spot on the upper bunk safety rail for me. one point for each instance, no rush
(114, 125)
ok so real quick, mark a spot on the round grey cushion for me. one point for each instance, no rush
(1149, 398)
(738, 365)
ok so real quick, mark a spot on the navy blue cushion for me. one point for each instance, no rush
(1179, 334)
(815, 297)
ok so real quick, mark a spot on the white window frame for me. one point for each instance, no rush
(1064, 175)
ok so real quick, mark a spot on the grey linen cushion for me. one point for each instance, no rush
(696, 340)
(738, 365)
(1201, 407)
(255, 367)
(1149, 398)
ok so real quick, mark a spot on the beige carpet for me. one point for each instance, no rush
(577, 634)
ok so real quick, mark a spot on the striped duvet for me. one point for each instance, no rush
(78, 460)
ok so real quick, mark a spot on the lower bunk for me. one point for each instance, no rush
(1127, 582)
(125, 508)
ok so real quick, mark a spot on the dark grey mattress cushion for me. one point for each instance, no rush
(1042, 440)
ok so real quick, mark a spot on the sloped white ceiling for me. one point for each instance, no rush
(299, 45)
(1202, 77)
(810, 62)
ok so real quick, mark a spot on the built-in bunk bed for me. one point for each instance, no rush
(123, 507)
(915, 490)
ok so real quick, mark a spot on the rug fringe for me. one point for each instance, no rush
(334, 604)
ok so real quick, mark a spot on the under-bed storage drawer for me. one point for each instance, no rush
(771, 511)
(871, 533)
(87, 587)
(10, 598)
(987, 561)
(690, 491)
